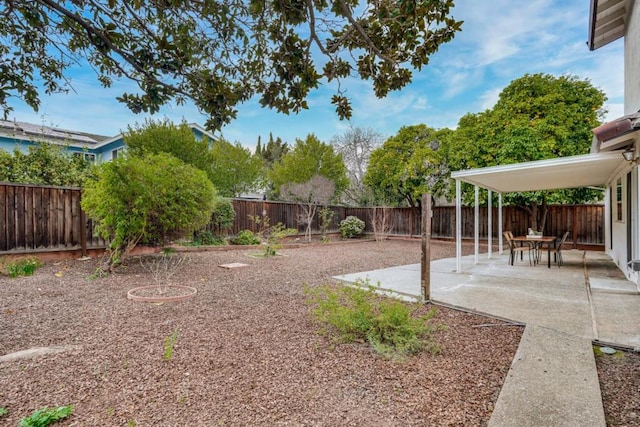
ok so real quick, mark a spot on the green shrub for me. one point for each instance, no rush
(274, 236)
(23, 267)
(147, 200)
(358, 313)
(46, 416)
(351, 227)
(223, 215)
(246, 237)
(206, 238)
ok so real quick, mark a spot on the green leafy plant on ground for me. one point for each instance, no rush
(359, 313)
(23, 267)
(169, 344)
(206, 238)
(3, 412)
(246, 237)
(351, 226)
(46, 416)
(326, 219)
(274, 236)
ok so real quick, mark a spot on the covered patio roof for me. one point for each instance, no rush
(595, 169)
(566, 172)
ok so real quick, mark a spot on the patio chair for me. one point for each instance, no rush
(514, 248)
(557, 251)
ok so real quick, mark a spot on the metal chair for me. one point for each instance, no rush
(514, 248)
(557, 251)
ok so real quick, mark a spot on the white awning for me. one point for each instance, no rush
(587, 170)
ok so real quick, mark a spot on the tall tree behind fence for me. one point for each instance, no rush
(43, 218)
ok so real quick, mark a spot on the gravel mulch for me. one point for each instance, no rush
(246, 352)
(619, 376)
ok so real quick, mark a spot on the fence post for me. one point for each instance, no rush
(425, 270)
(574, 226)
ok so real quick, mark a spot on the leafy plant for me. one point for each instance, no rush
(46, 416)
(274, 236)
(351, 226)
(3, 412)
(23, 267)
(326, 219)
(223, 215)
(359, 313)
(44, 164)
(169, 344)
(246, 237)
(206, 238)
(149, 200)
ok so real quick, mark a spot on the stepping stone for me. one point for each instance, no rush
(233, 265)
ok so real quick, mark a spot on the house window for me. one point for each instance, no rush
(619, 200)
(114, 153)
(89, 157)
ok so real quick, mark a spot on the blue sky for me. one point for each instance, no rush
(501, 40)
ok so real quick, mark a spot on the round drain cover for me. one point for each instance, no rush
(607, 350)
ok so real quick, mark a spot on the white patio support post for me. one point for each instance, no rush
(458, 227)
(500, 222)
(476, 226)
(489, 225)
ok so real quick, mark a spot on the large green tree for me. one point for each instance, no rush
(154, 137)
(272, 151)
(537, 117)
(408, 165)
(234, 170)
(308, 158)
(218, 53)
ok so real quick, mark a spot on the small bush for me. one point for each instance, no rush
(246, 237)
(207, 238)
(46, 416)
(223, 215)
(358, 313)
(23, 267)
(351, 227)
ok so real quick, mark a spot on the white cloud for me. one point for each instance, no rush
(489, 98)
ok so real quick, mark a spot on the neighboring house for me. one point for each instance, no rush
(605, 166)
(95, 148)
(609, 21)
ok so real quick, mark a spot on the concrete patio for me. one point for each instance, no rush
(553, 379)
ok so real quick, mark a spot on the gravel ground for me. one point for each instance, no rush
(247, 351)
(620, 387)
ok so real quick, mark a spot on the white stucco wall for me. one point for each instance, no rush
(632, 59)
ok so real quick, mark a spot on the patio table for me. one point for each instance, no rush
(539, 241)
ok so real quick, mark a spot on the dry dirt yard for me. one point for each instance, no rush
(247, 351)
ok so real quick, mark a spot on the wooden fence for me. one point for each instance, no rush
(43, 218)
(585, 222)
